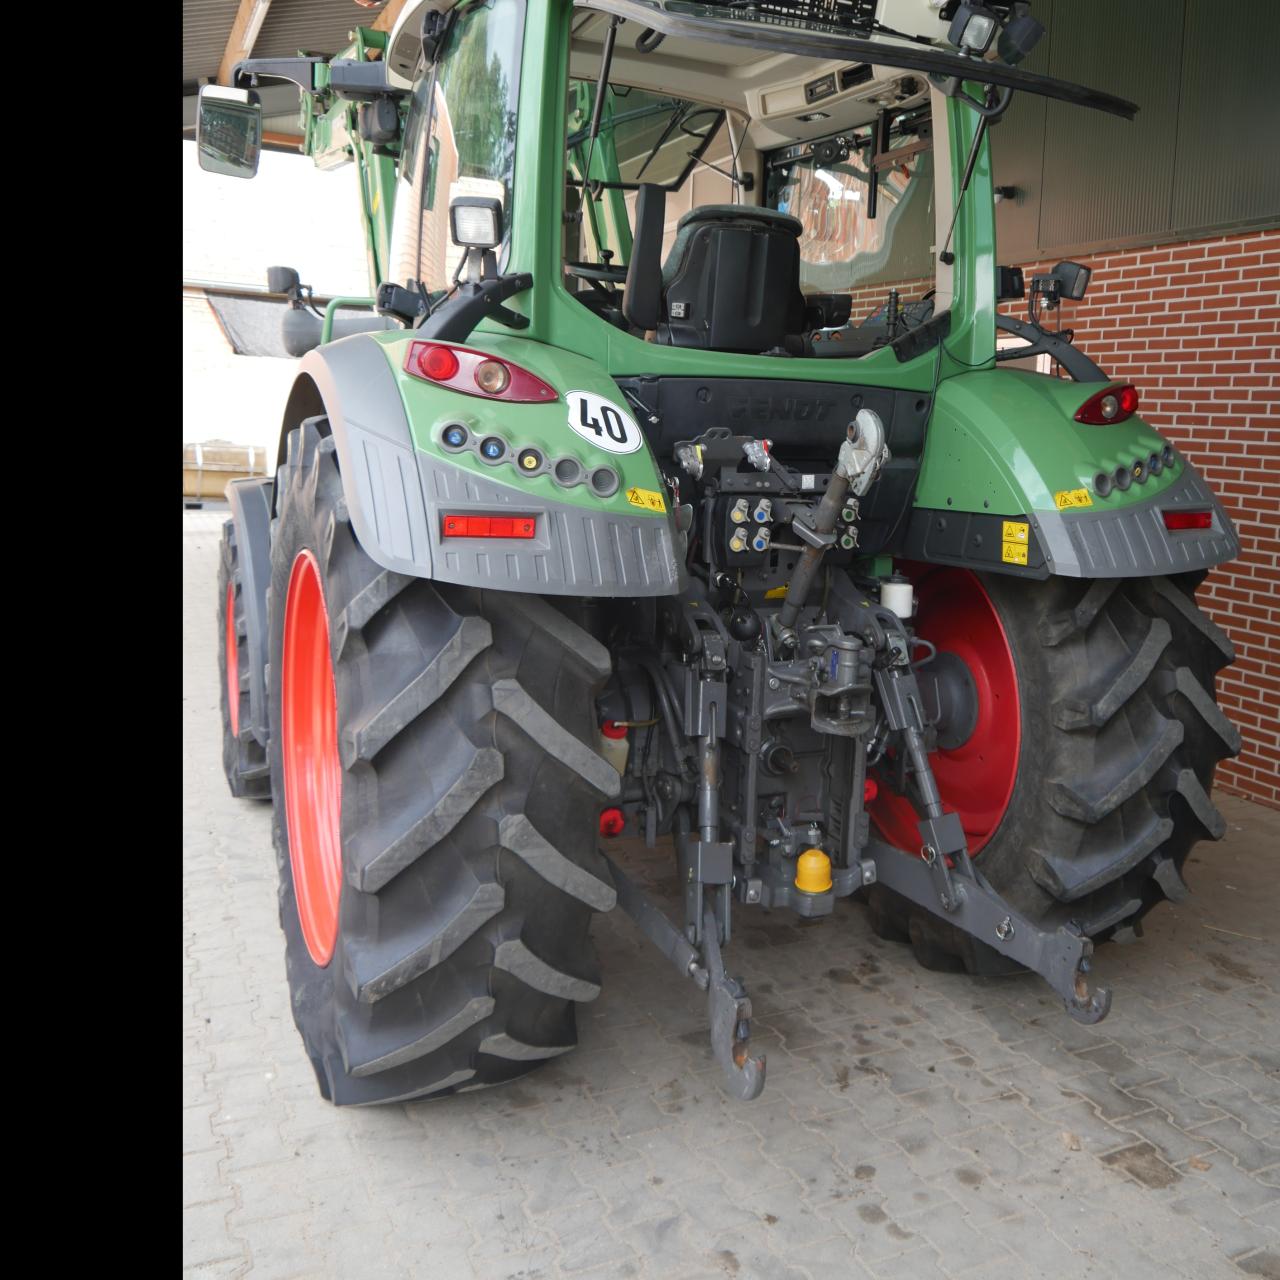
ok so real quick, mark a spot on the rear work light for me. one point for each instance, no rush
(488, 526)
(1115, 404)
(476, 374)
(1176, 520)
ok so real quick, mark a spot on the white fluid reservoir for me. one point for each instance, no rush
(897, 595)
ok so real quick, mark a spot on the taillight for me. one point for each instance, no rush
(1176, 520)
(476, 374)
(488, 526)
(1115, 404)
(438, 363)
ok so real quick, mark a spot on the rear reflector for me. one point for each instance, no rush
(489, 527)
(1175, 520)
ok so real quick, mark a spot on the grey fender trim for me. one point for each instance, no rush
(396, 495)
(1131, 541)
(251, 504)
(375, 452)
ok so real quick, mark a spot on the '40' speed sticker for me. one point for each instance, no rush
(602, 422)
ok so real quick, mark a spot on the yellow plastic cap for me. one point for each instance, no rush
(813, 872)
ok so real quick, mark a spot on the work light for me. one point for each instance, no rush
(972, 28)
(476, 222)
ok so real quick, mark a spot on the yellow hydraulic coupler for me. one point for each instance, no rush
(813, 872)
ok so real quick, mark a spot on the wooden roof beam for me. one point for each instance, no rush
(244, 35)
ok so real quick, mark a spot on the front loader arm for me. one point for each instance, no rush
(332, 93)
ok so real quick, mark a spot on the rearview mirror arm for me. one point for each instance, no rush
(301, 71)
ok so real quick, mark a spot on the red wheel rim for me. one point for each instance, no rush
(976, 778)
(233, 663)
(312, 771)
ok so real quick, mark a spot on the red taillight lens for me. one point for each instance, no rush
(1115, 404)
(476, 374)
(612, 821)
(488, 527)
(1175, 520)
(437, 363)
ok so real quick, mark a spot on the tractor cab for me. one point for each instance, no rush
(742, 221)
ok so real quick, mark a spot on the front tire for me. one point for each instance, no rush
(1104, 750)
(436, 838)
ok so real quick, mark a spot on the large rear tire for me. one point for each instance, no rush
(244, 759)
(438, 790)
(1084, 788)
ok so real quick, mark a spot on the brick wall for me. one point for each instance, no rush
(1196, 327)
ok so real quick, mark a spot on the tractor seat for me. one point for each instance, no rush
(726, 214)
(731, 281)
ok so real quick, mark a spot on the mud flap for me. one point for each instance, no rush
(251, 503)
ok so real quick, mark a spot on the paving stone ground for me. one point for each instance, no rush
(914, 1124)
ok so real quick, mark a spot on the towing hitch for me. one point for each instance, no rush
(728, 1005)
(958, 894)
(961, 896)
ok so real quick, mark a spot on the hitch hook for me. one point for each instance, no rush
(729, 1009)
(1088, 1006)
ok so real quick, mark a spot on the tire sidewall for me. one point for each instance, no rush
(1003, 860)
(300, 527)
(240, 752)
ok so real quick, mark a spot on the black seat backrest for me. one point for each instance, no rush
(732, 279)
(642, 293)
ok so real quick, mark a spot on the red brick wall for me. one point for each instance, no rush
(1196, 327)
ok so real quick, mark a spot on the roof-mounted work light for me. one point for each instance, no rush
(973, 28)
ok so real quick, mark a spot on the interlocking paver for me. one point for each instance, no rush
(912, 1124)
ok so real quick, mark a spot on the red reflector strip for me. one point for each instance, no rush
(1175, 520)
(489, 527)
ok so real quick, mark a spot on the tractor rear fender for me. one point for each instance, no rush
(397, 491)
(250, 502)
(1009, 484)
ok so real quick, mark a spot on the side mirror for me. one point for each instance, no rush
(229, 131)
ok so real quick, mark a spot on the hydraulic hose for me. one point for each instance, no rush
(824, 522)
(861, 456)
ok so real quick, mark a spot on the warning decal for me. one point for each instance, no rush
(1068, 498)
(649, 499)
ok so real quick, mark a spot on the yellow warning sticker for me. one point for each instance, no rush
(1015, 531)
(775, 593)
(649, 499)
(1013, 552)
(1068, 498)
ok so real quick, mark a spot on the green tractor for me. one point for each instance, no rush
(626, 517)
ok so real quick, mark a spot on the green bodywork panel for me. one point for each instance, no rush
(544, 427)
(1006, 442)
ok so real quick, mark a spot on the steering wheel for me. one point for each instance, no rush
(601, 271)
